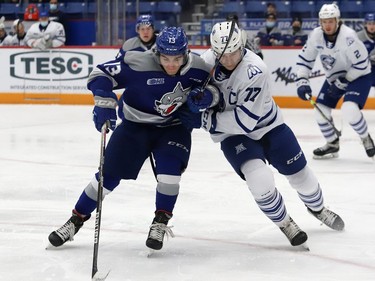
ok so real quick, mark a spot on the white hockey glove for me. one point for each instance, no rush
(39, 44)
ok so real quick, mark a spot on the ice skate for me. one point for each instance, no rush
(68, 230)
(329, 218)
(295, 235)
(368, 143)
(329, 150)
(158, 229)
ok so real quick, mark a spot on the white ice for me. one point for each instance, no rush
(48, 153)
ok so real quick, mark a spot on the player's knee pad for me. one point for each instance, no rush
(351, 112)
(109, 185)
(259, 178)
(168, 184)
(304, 181)
(319, 116)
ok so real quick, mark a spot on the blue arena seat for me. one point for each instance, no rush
(147, 7)
(8, 10)
(75, 8)
(168, 7)
(255, 9)
(352, 9)
(231, 8)
(303, 9)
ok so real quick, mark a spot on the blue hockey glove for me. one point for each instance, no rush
(303, 88)
(189, 119)
(105, 109)
(200, 99)
(338, 88)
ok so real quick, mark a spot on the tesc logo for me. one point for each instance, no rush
(51, 66)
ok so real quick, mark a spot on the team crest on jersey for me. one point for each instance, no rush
(349, 41)
(327, 61)
(169, 102)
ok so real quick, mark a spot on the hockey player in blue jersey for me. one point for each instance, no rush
(157, 83)
(145, 40)
(347, 71)
(367, 36)
(251, 131)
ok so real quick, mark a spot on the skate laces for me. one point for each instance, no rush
(158, 230)
(327, 217)
(67, 231)
(291, 229)
(368, 143)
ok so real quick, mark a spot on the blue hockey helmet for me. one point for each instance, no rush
(370, 17)
(172, 41)
(144, 20)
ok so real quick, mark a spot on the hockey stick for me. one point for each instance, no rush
(233, 24)
(97, 276)
(314, 104)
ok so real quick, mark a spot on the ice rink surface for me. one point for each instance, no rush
(48, 154)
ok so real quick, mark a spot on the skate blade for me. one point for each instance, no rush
(303, 247)
(99, 276)
(49, 246)
(326, 156)
(150, 253)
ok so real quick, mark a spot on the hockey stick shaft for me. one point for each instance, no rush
(99, 201)
(314, 104)
(233, 24)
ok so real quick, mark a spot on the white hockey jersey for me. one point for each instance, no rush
(249, 108)
(347, 57)
(54, 33)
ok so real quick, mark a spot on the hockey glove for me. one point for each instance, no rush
(189, 119)
(338, 88)
(303, 88)
(105, 109)
(200, 99)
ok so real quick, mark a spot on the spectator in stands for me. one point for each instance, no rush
(146, 38)
(271, 9)
(295, 36)
(5, 39)
(250, 43)
(56, 14)
(367, 36)
(18, 39)
(45, 34)
(270, 34)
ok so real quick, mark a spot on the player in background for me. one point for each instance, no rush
(45, 34)
(348, 75)
(250, 43)
(251, 131)
(157, 83)
(18, 39)
(146, 36)
(5, 38)
(367, 36)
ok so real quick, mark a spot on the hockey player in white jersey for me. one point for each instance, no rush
(251, 130)
(45, 34)
(348, 75)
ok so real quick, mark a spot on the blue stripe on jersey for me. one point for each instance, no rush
(248, 113)
(308, 61)
(305, 65)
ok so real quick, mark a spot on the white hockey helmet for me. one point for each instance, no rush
(329, 11)
(220, 34)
